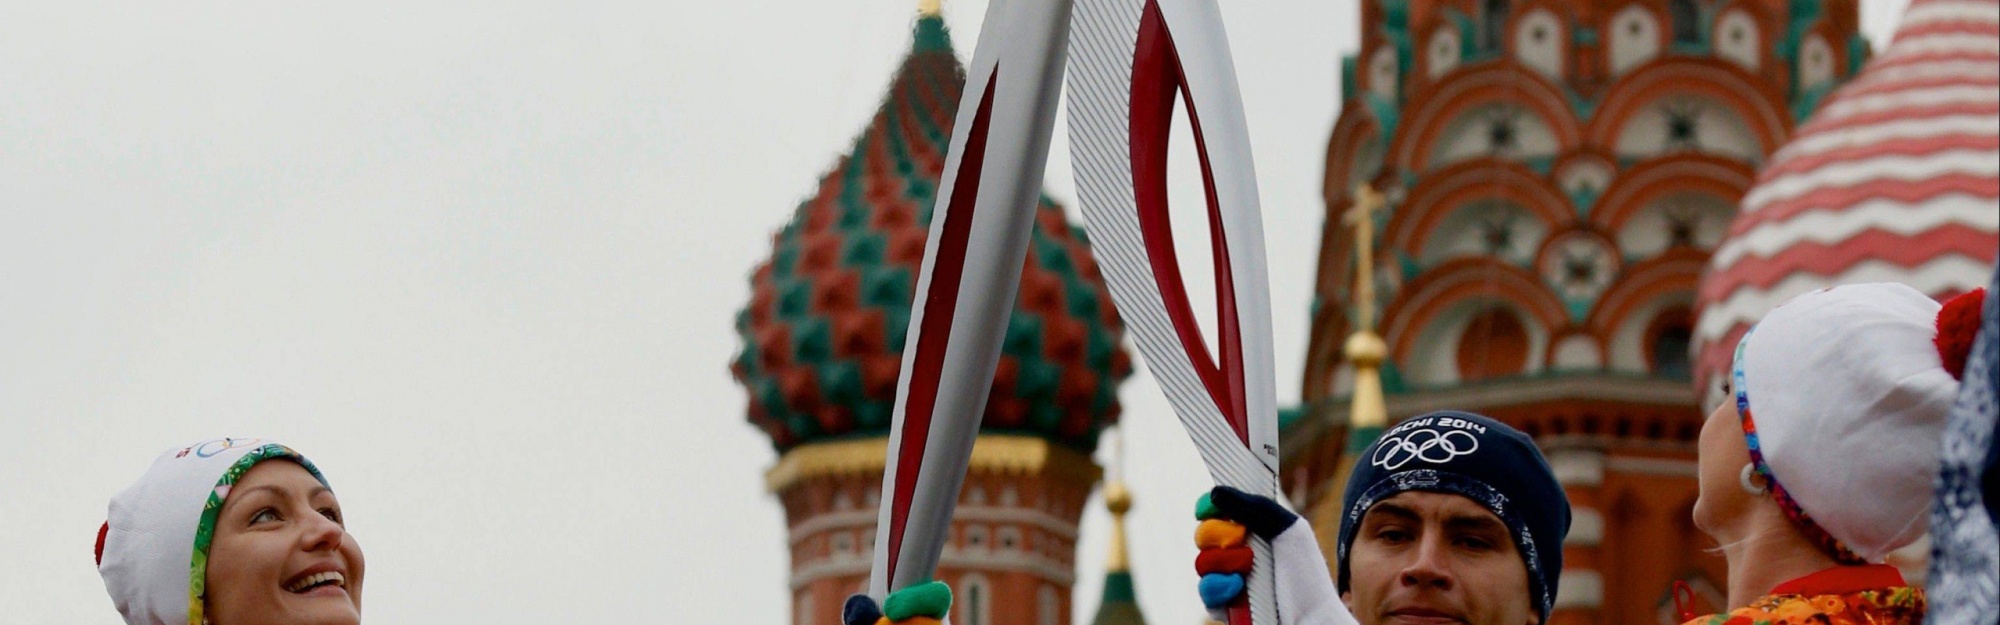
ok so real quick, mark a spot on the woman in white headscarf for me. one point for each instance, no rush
(232, 531)
(1821, 461)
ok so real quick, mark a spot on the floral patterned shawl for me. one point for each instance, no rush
(1847, 595)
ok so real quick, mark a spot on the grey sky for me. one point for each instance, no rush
(480, 261)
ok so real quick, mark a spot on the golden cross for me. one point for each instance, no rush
(1366, 201)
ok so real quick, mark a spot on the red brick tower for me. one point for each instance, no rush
(822, 345)
(1560, 172)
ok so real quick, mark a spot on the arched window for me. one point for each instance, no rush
(976, 537)
(1635, 38)
(1687, 21)
(1493, 31)
(1051, 605)
(1736, 39)
(1816, 62)
(1495, 344)
(975, 601)
(1538, 42)
(1667, 340)
(1010, 538)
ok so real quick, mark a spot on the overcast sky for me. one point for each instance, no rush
(480, 260)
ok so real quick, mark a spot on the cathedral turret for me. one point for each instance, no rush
(1120, 603)
(823, 335)
(1558, 174)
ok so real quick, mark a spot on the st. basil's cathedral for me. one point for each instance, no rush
(822, 346)
(1597, 200)
(1588, 203)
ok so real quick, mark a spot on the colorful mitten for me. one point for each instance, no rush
(1225, 558)
(1306, 595)
(1261, 515)
(1218, 534)
(922, 604)
(1218, 589)
(860, 610)
(929, 599)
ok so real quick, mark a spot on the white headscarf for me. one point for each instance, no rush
(153, 548)
(1848, 394)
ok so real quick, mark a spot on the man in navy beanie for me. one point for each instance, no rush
(1450, 517)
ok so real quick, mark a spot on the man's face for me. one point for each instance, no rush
(1424, 558)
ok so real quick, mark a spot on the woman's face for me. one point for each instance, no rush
(1721, 454)
(281, 555)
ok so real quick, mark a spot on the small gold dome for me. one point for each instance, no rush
(1365, 348)
(1117, 498)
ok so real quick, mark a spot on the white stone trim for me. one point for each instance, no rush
(973, 514)
(1581, 589)
(1020, 561)
(1586, 528)
(1575, 466)
(1652, 466)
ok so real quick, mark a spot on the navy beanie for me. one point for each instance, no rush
(1476, 457)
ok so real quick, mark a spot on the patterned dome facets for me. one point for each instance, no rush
(829, 311)
(1895, 178)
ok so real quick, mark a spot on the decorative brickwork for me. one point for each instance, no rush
(1566, 170)
(829, 312)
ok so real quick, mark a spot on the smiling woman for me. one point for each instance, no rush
(214, 534)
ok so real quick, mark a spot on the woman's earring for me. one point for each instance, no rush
(1743, 479)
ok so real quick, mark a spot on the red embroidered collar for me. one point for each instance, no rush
(1841, 580)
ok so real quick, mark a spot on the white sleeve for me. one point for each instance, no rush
(1306, 595)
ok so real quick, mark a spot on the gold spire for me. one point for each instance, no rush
(1367, 413)
(1365, 349)
(1119, 605)
(928, 8)
(1118, 499)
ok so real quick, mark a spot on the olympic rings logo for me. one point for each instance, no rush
(211, 448)
(1424, 444)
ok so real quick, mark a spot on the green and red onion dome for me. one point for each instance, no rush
(829, 313)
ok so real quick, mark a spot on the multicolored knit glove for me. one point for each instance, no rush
(1228, 516)
(922, 604)
(1225, 557)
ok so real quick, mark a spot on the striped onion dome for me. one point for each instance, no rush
(829, 312)
(1895, 178)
